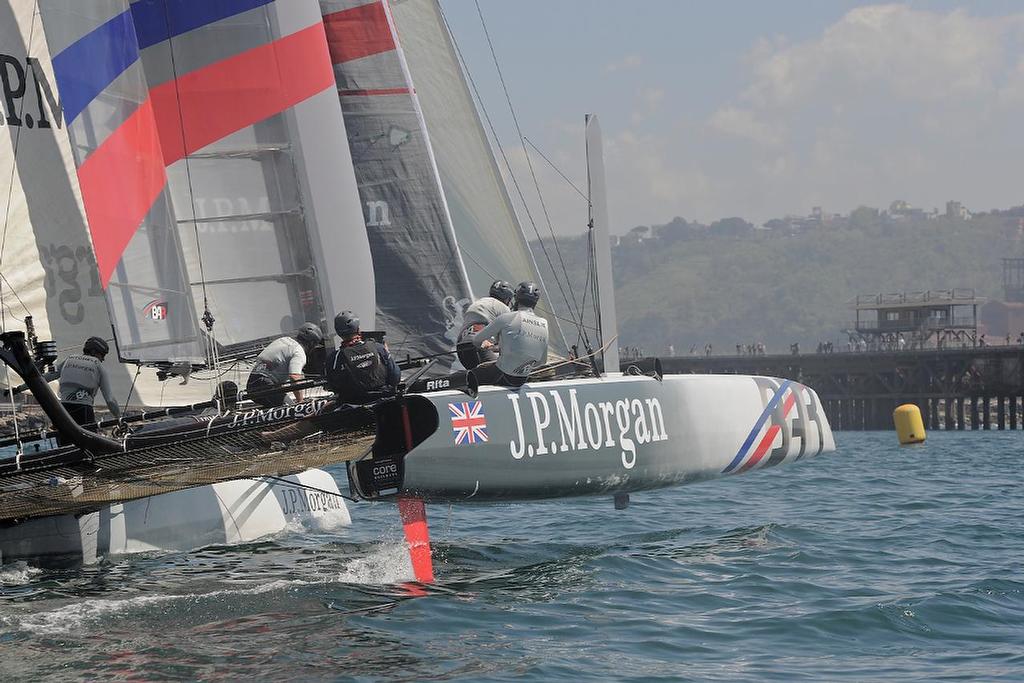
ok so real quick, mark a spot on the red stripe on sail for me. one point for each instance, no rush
(763, 447)
(227, 96)
(370, 93)
(120, 181)
(358, 32)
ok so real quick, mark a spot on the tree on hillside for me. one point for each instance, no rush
(679, 230)
(863, 218)
(731, 227)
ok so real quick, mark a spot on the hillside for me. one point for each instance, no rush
(687, 284)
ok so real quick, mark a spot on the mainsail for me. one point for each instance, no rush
(116, 146)
(490, 237)
(422, 285)
(48, 265)
(224, 97)
(46, 259)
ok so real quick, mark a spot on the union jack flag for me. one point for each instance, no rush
(468, 422)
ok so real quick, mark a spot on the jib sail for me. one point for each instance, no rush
(422, 284)
(490, 237)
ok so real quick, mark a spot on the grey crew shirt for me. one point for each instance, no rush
(483, 310)
(282, 358)
(80, 377)
(523, 338)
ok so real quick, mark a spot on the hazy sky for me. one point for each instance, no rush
(759, 109)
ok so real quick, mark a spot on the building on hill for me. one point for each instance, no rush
(1005, 319)
(957, 210)
(916, 320)
(798, 225)
(1002, 320)
(900, 210)
(1013, 279)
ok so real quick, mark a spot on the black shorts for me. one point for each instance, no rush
(470, 356)
(488, 373)
(82, 414)
(263, 386)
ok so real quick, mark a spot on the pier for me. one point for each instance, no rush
(966, 389)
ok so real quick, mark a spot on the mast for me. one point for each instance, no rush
(608, 328)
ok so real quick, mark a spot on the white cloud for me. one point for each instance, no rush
(907, 53)
(625, 64)
(887, 101)
(650, 178)
(743, 124)
(648, 103)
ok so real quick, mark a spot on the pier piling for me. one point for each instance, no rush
(954, 388)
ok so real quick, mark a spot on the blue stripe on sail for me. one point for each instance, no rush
(757, 426)
(159, 20)
(87, 66)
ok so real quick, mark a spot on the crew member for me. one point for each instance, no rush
(361, 369)
(478, 316)
(280, 362)
(522, 336)
(80, 376)
(225, 399)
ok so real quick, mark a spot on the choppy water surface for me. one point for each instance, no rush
(873, 563)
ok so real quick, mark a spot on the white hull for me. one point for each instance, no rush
(228, 513)
(613, 434)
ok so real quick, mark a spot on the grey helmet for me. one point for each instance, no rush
(502, 291)
(309, 335)
(527, 295)
(346, 324)
(96, 346)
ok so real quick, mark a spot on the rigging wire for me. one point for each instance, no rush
(508, 165)
(3, 241)
(590, 280)
(207, 319)
(581, 338)
(131, 389)
(15, 293)
(10, 185)
(529, 162)
(541, 307)
(594, 284)
(556, 169)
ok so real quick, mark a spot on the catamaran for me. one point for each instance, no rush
(249, 165)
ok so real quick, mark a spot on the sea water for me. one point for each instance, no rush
(873, 563)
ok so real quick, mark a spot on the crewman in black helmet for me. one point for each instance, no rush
(282, 361)
(80, 377)
(522, 336)
(478, 316)
(361, 369)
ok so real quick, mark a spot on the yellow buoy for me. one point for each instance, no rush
(909, 425)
